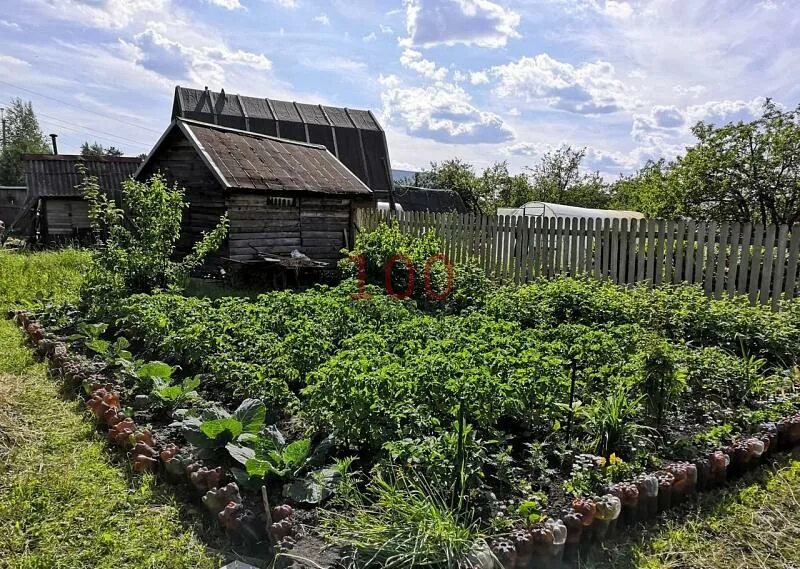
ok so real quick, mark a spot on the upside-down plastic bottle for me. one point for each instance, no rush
(523, 543)
(586, 508)
(719, 467)
(647, 484)
(685, 480)
(559, 531)
(665, 482)
(628, 494)
(542, 540)
(605, 518)
(703, 466)
(574, 524)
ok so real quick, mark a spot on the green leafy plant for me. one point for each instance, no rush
(216, 429)
(136, 240)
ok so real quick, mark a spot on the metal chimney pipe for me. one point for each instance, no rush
(55, 143)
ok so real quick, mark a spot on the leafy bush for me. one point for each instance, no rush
(375, 250)
(136, 240)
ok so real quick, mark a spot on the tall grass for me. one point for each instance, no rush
(48, 275)
(402, 521)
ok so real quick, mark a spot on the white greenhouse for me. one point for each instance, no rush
(554, 210)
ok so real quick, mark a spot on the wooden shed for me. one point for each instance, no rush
(55, 209)
(280, 195)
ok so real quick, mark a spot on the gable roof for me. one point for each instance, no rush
(354, 136)
(242, 160)
(48, 175)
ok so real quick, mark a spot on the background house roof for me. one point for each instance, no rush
(243, 160)
(49, 175)
(354, 136)
(426, 199)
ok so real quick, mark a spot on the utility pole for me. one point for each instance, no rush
(3, 120)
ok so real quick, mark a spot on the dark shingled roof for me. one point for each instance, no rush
(48, 175)
(243, 160)
(354, 136)
(426, 199)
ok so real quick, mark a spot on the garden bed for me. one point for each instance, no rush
(326, 400)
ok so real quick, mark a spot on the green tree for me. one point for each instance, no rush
(744, 171)
(136, 241)
(23, 136)
(98, 150)
(558, 178)
(456, 175)
(651, 191)
(498, 188)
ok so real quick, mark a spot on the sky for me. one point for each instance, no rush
(482, 80)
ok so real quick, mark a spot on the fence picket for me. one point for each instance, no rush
(680, 247)
(659, 252)
(711, 243)
(780, 266)
(767, 262)
(721, 260)
(791, 271)
(733, 260)
(622, 267)
(648, 254)
(755, 262)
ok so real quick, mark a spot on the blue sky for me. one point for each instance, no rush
(483, 80)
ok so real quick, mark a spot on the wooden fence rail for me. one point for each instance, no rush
(725, 258)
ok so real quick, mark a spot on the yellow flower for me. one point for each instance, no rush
(614, 459)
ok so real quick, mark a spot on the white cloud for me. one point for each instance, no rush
(479, 78)
(386, 29)
(723, 112)
(619, 10)
(591, 88)
(334, 63)
(471, 22)
(413, 60)
(528, 148)
(443, 113)
(227, 4)
(693, 91)
(370, 37)
(202, 65)
(323, 19)
(10, 25)
(287, 3)
(112, 14)
(389, 80)
(11, 61)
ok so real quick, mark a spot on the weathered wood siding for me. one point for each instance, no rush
(181, 164)
(66, 217)
(316, 226)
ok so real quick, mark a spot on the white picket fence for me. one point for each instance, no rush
(725, 258)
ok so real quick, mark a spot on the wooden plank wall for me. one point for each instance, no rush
(316, 226)
(726, 259)
(65, 217)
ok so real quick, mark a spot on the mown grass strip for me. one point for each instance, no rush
(63, 501)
